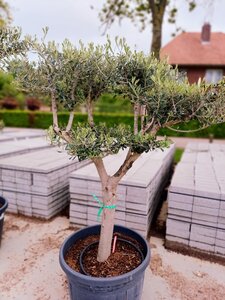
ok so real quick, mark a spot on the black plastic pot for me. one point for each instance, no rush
(3, 206)
(124, 287)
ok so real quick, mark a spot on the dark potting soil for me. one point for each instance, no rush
(123, 260)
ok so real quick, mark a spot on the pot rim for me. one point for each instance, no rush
(68, 269)
(4, 203)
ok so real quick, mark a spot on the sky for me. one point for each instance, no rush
(75, 20)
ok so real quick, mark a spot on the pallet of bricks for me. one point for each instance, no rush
(37, 183)
(138, 192)
(196, 200)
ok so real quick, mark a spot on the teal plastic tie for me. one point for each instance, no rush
(102, 206)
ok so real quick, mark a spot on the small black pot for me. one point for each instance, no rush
(4, 205)
(126, 286)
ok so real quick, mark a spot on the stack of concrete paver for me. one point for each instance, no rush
(196, 200)
(37, 183)
(15, 147)
(8, 134)
(138, 192)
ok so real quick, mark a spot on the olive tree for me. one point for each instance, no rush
(160, 97)
(11, 44)
(5, 16)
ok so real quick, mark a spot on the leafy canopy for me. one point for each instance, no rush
(87, 142)
(161, 97)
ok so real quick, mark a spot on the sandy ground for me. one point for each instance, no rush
(29, 267)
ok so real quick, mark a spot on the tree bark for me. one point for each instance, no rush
(109, 195)
(143, 115)
(107, 226)
(70, 121)
(127, 164)
(90, 112)
(158, 11)
(136, 115)
(54, 112)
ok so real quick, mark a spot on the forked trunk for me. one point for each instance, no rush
(109, 189)
(106, 235)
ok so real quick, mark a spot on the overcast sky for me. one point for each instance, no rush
(74, 19)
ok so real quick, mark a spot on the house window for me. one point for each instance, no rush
(213, 75)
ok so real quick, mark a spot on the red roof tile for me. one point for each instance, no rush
(187, 49)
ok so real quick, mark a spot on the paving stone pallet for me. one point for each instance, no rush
(138, 192)
(196, 199)
(37, 183)
(15, 134)
(15, 147)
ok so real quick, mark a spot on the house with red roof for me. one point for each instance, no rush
(198, 54)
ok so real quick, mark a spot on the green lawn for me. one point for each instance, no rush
(177, 155)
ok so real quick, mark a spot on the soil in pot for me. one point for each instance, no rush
(125, 258)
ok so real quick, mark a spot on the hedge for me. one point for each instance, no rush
(38, 119)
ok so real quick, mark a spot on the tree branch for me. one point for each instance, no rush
(143, 114)
(71, 117)
(136, 115)
(64, 135)
(127, 164)
(70, 122)
(148, 126)
(187, 131)
(90, 111)
(155, 129)
(54, 112)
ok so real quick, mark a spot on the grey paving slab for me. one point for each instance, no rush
(198, 216)
(199, 230)
(196, 197)
(206, 210)
(10, 135)
(181, 198)
(181, 205)
(207, 202)
(15, 147)
(202, 246)
(222, 213)
(178, 228)
(42, 161)
(220, 250)
(174, 212)
(177, 239)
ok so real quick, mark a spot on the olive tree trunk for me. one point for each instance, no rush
(109, 194)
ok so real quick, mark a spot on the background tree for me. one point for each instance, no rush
(11, 45)
(5, 16)
(52, 74)
(8, 91)
(143, 13)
